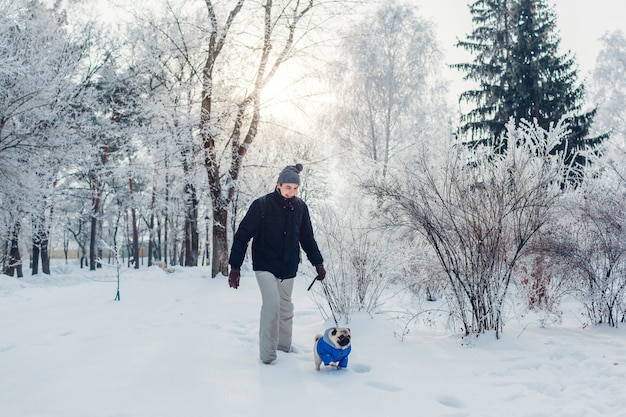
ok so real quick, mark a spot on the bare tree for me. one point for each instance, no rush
(280, 21)
(211, 60)
(390, 94)
(478, 212)
(608, 86)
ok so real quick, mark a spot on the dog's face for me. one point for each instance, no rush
(341, 337)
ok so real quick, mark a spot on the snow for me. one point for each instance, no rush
(183, 344)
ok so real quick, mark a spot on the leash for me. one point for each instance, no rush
(327, 298)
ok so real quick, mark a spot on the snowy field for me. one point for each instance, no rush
(185, 345)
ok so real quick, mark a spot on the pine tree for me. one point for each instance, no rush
(489, 42)
(526, 79)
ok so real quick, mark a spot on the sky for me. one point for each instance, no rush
(184, 344)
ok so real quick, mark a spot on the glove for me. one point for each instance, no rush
(233, 278)
(321, 272)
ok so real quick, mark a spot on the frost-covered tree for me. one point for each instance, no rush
(232, 121)
(588, 245)
(478, 212)
(167, 43)
(608, 86)
(387, 103)
(390, 98)
(43, 72)
(215, 59)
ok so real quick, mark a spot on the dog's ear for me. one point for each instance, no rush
(334, 332)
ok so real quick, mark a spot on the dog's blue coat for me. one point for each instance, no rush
(329, 353)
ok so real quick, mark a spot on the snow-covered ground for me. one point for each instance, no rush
(186, 345)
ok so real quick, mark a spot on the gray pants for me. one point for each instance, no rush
(276, 315)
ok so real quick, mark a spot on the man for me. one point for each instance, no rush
(278, 224)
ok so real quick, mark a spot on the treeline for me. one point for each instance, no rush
(115, 135)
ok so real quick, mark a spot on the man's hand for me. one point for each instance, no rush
(233, 278)
(321, 272)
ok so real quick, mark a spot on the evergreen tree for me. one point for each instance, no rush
(489, 42)
(525, 78)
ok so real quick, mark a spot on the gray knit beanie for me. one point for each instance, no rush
(290, 175)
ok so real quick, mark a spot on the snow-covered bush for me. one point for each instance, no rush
(588, 244)
(360, 263)
(478, 210)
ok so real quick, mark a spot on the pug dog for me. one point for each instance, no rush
(332, 348)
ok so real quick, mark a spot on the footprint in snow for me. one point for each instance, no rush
(450, 401)
(247, 338)
(360, 368)
(6, 348)
(384, 387)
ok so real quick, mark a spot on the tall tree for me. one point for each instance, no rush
(489, 42)
(528, 80)
(234, 125)
(388, 87)
(42, 74)
(608, 86)
(167, 46)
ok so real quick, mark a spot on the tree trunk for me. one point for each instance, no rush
(165, 242)
(37, 225)
(15, 260)
(135, 232)
(66, 245)
(159, 243)
(92, 238)
(135, 238)
(220, 241)
(45, 255)
(35, 259)
(40, 245)
(96, 202)
(191, 227)
(5, 257)
(151, 225)
(78, 237)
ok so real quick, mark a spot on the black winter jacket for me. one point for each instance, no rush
(276, 236)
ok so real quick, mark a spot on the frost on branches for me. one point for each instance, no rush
(478, 210)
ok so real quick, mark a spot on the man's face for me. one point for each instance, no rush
(288, 190)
